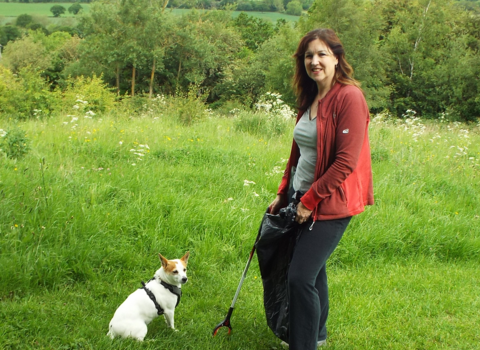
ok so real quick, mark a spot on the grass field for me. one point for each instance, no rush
(84, 216)
(9, 11)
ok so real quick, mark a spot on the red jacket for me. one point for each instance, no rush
(343, 183)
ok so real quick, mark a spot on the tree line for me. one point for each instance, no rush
(420, 55)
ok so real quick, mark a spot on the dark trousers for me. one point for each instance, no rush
(307, 282)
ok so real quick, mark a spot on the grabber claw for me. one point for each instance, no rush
(224, 323)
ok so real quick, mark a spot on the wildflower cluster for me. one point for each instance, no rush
(381, 117)
(277, 169)
(81, 106)
(233, 112)
(413, 124)
(140, 151)
(273, 104)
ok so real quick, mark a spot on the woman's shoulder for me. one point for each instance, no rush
(350, 92)
(346, 89)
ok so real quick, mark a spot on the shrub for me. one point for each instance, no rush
(25, 52)
(25, 95)
(14, 143)
(190, 107)
(23, 20)
(294, 8)
(245, 6)
(84, 94)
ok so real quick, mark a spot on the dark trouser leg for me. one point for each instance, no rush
(307, 282)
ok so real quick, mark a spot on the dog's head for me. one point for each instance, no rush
(175, 271)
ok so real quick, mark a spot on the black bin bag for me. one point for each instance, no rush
(278, 234)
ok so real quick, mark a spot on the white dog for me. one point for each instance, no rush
(159, 296)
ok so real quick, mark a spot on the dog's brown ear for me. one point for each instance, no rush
(185, 258)
(163, 260)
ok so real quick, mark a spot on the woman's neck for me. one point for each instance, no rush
(323, 89)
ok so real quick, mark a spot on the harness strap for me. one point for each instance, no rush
(173, 289)
(151, 296)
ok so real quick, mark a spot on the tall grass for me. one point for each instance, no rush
(85, 213)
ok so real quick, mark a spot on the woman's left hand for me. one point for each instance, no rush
(303, 214)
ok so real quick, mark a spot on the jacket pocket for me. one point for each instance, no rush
(336, 204)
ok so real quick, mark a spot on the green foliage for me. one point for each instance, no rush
(57, 10)
(254, 31)
(24, 95)
(26, 52)
(14, 143)
(9, 33)
(190, 107)
(86, 94)
(23, 20)
(75, 8)
(275, 61)
(409, 55)
(294, 8)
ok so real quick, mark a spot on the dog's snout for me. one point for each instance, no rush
(184, 279)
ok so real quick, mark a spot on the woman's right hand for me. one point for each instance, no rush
(277, 204)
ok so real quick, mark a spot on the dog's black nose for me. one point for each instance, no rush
(184, 279)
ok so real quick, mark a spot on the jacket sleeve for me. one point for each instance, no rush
(352, 113)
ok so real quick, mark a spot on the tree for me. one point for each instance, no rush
(75, 8)
(278, 53)
(57, 10)
(23, 20)
(25, 53)
(254, 31)
(9, 33)
(294, 8)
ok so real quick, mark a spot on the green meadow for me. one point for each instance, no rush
(14, 9)
(96, 198)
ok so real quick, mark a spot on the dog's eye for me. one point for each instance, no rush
(175, 271)
(184, 270)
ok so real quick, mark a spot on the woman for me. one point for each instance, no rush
(328, 172)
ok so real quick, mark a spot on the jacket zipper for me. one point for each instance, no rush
(313, 223)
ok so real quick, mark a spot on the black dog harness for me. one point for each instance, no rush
(173, 289)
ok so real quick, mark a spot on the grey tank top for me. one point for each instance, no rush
(305, 135)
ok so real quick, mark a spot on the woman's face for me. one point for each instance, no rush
(320, 63)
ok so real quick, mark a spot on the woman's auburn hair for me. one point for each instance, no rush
(305, 87)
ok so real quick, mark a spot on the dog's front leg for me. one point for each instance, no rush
(169, 319)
